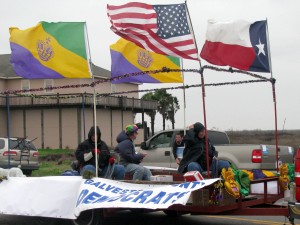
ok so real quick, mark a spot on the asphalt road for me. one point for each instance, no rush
(156, 218)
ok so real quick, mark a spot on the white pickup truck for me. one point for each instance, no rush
(242, 156)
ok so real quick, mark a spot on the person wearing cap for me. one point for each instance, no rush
(128, 157)
(85, 154)
(194, 155)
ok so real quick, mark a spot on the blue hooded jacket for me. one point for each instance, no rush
(126, 150)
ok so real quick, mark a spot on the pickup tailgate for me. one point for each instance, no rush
(240, 155)
(285, 153)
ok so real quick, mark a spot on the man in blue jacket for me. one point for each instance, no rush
(128, 156)
(85, 154)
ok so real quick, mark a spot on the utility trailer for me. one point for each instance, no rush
(265, 199)
(88, 202)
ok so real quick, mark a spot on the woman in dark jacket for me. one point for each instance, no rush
(194, 155)
(85, 154)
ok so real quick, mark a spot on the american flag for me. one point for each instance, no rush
(163, 29)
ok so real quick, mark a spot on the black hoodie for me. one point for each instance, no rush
(88, 146)
(195, 149)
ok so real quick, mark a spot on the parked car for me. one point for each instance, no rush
(22, 154)
(242, 156)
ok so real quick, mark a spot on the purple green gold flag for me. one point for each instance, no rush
(49, 51)
(127, 58)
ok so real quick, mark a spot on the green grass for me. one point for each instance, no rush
(45, 152)
(49, 165)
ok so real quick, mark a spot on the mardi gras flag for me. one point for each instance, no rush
(238, 43)
(127, 58)
(50, 50)
(163, 29)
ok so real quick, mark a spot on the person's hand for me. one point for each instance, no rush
(178, 161)
(143, 156)
(97, 150)
(111, 160)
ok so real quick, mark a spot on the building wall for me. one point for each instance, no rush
(33, 126)
(126, 87)
(69, 128)
(44, 126)
(2, 84)
(3, 123)
(51, 128)
(103, 121)
(16, 123)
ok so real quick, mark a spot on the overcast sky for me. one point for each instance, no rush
(237, 107)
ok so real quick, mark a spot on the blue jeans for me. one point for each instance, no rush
(194, 166)
(138, 172)
(118, 173)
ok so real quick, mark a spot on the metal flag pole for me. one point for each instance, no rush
(184, 100)
(83, 115)
(203, 92)
(8, 129)
(94, 101)
(273, 81)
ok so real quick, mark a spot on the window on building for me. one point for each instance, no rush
(25, 84)
(48, 84)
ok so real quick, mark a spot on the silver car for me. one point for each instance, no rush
(22, 154)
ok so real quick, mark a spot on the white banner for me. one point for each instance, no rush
(67, 196)
(103, 193)
(40, 196)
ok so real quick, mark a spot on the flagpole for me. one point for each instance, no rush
(184, 101)
(203, 92)
(94, 102)
(273, 81)
(8, 129)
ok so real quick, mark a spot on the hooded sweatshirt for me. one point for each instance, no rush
(88, 146)
(195, 149)
(126, 150)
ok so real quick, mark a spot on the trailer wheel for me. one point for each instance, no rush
(45, 221)
(89, 217)
(172, 213)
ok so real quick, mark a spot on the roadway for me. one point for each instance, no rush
(157, 218)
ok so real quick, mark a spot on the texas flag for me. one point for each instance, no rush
(239, 44)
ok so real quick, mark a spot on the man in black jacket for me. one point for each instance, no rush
(85, 154)
(194, 155)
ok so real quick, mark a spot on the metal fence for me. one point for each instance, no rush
(76, 99)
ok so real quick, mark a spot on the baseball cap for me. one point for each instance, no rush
(131, 129)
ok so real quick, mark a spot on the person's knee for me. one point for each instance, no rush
(146, 174)
(223, 164)
(140, 169)
(226, 164)
(193, 166)
(121, 169)
(119, 172)
(90, 168)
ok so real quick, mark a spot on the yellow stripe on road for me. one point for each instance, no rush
(249, 220)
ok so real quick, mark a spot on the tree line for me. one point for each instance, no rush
(168, 105)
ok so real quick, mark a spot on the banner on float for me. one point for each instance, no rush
(67, 196)
(103, 193)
